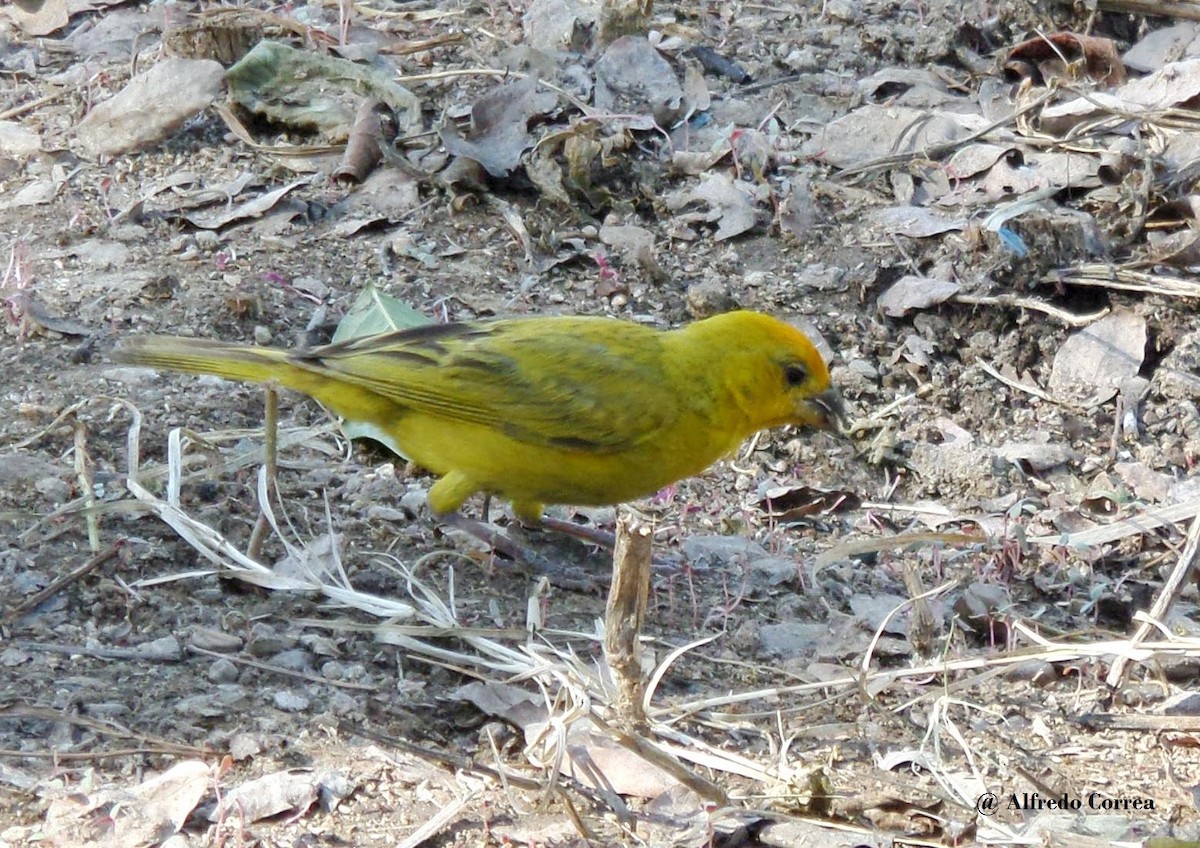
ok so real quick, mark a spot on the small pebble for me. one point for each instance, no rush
(290, 702)
(223, 671)
(243, 746)
(208, 639)
(708, 298)
(293, 659)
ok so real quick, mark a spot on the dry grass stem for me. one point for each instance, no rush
(625, 614)
(1167, 595)
(271, 466)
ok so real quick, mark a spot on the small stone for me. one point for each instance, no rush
(55, 489)
(875, 609)
(802, 60)
(293, 659)
(722, 550)
(1037, 672)
(214, 640)
(223, 671)
(262, 335)
(243, 746)
(164, 648)
(290, 702)
(1182, 704)
(265, 642)
(773, 571)
(377, 512)
(413, 502)
(863, 368)
(343, 704)
(791, 638)
(320, 645)
(709, 298)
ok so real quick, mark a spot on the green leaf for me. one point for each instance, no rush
(372, 313)
(375, 312)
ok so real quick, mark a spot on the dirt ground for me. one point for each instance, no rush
(806, 710)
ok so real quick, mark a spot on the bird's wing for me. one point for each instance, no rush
(579, 384)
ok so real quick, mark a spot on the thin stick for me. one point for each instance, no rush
(62, 582)
(1013, 384)
(665, 760)
(18, 111)
(443, 817)
(1133, 525)
(286, 672)
(922, 628)
(1016, 302)
(623, 617)
(1174, 8)
(865, 673)
(1166, 598)
(87, 484)
(271, 460)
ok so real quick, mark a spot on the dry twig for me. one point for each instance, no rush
(624, 615)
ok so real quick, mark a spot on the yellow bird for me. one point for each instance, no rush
(563, 410)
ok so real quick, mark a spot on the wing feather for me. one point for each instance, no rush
(565, 384)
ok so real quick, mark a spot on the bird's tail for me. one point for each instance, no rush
(221, 359)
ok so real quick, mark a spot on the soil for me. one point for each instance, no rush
(152, 656)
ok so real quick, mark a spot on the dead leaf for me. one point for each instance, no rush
(18, 140)
(309, 90)
(37, 193)
(874, 131)
(373, 127)
(500, 126)
(790, 503)
(1037, 455)
(42, 17)
(556, 25)
(292, 791)
(152, 106)
(1157, 47)
(633, 78)
(1174, 85)
(1144, 482)
(915, 222)
(731, 204)
(911, 292)
(1091, 365)
(636, 246)
(253, 208)
(1067, 56)
(143, 815)
(387, 195)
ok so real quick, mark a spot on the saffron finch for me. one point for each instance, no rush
(566, 410)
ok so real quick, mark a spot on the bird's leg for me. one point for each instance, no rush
(595, 536)
(592, 535)
(562, 576)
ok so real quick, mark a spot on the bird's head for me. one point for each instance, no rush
(774, 371)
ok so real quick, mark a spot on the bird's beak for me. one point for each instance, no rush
(825, 411)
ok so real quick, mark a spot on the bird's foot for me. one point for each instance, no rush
(562, 576)
(602, 538)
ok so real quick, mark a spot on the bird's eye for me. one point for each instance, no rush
(795, 374)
